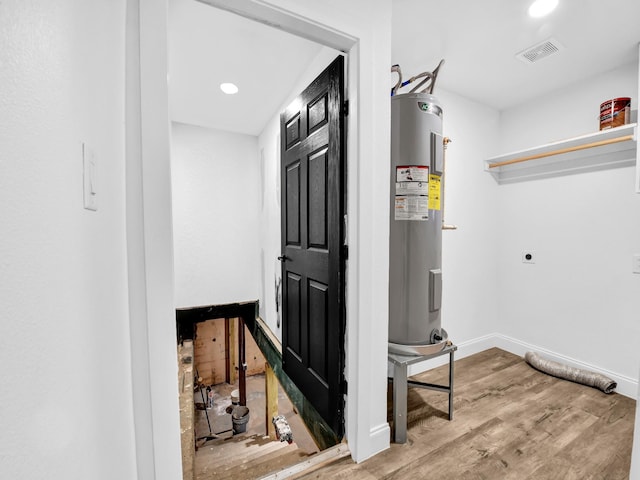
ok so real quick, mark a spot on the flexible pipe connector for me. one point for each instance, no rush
(428, 76)
(585, 377)
(396, 68)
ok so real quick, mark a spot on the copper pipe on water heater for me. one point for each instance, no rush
(445, 142)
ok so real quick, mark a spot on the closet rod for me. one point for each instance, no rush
(562, 150)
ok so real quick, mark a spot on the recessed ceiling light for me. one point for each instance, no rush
(540, 8)
(228, 88)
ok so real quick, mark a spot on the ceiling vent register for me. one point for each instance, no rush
(540, 51)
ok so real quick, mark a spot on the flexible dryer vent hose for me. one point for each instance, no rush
(577, 375)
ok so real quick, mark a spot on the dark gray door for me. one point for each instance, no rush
(312, 176)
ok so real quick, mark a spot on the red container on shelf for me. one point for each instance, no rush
(615, 112)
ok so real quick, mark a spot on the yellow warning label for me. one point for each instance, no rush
(434, 192)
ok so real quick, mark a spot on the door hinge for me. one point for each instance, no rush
(345, 252)
(345, 387)
(345, 108)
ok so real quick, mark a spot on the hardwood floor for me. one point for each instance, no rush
(510, 422)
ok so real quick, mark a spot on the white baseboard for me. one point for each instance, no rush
(378, 441)
(626, 386)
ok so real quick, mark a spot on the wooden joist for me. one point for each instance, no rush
(271, 391)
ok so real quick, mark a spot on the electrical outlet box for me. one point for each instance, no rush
(528, 256)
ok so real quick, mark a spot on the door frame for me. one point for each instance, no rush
(149, 239)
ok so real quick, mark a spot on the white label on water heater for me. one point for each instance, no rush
(412, 188)
(412, 207)
(412, 173)
(412, 193)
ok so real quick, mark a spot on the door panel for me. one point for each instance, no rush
(292, 204)
(312, 229)
(292, 131)
(317, 219)
(317, 111)
(318, 300)
(293, 306)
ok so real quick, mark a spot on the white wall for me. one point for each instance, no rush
(469, 308)
(270, 272)
(216, 238)
(64, 334)
(580, 299)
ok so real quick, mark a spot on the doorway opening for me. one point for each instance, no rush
(225, 181)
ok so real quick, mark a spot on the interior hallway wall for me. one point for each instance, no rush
(64, 335)
(215, 184)
(579, 299)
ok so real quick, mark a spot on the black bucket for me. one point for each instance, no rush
(240, 418)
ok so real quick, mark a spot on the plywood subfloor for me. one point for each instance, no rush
(250, 454)
(510, 422)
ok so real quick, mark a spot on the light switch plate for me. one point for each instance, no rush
(89, 176)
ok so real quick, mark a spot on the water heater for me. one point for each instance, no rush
(415, 244)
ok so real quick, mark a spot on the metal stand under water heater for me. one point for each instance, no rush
(416, 224)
